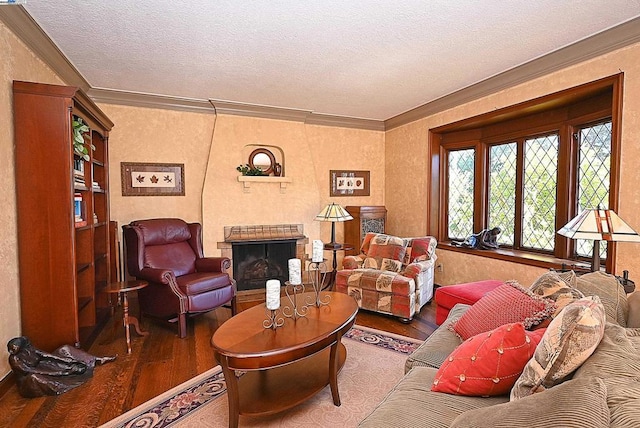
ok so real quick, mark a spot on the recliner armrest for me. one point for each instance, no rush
(155, 275)
(213, 264)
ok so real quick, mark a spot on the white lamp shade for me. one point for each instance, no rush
(333, 212)
(599, 224)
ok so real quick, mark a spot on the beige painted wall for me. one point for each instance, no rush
(413, 138)
(310, 152)
(158, 136)
(212, 146)
(16, 63)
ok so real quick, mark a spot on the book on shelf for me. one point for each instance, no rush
(78, 208)
(96, 185)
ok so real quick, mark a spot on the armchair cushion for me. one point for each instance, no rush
(178, 256)
(386, 252)
(200, 282)
(382, 264)
(387, 246)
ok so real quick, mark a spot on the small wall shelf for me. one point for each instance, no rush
(246, 181)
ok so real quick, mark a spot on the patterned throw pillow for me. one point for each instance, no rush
(508, 303)
(611, 293)
(559, 287)
(567, 343)
(421, 249)
(388, 251)
(489, 363)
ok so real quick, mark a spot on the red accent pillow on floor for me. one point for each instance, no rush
(505, 304)
(489, 363)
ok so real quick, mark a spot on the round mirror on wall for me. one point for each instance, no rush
(263, 159)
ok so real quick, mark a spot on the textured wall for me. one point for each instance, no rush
(211, 147)
(16, 63)
(310, 152)
(413, 138)
(158, 136)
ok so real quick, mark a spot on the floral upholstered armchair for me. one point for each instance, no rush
(392, 275)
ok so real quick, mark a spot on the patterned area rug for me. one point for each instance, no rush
(375, 363)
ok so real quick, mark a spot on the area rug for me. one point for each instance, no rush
(375, 363)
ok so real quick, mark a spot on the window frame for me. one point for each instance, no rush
(481, 132)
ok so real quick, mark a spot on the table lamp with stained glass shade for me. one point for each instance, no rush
(599, 224)
(333, 213)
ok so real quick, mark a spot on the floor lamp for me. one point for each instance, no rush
(599, 224)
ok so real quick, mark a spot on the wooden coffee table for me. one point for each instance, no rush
(285, 366)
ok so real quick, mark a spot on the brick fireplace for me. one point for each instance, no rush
(260, 252)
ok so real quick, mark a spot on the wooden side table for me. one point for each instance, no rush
(122, 288)
(335, 249)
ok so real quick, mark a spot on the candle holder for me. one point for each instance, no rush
(293, 310)
(317, 274)
(273, 321)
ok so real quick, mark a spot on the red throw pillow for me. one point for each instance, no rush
(489, 363)
(508, 303)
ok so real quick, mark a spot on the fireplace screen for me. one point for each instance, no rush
(256, 262)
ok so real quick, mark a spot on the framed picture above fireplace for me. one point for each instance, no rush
(349, 183)
(152, 179)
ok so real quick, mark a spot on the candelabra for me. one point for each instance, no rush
(273, 321)
(293, 310)
(317, 274)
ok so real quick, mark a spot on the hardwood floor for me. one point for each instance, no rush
(158, 362)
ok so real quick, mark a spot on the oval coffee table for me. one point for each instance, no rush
(285, 366)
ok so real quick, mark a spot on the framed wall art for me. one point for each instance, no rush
(349, 183)
(152, 179)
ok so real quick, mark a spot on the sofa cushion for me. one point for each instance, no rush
(576, 403)
(437, 347)
(559, 287)
(617, 361)
(506, 304)
(568, 341)
(488, 363)
(611, 293)
(412, 404)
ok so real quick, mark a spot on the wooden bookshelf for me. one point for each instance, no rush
(63, 259)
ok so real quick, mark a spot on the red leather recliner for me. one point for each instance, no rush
(168, 254)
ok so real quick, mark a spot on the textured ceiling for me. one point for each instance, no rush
(371, 59)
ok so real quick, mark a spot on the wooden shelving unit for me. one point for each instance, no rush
(64, 264)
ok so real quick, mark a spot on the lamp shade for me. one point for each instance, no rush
(599, 224)
(333, 212)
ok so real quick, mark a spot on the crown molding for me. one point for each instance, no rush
(139, 99)
(599, 44)
(345, 122)
(18, 20)
(258, 110)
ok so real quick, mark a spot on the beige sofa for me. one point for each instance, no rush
(603, 391)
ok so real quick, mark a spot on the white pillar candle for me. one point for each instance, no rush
(273, 294)
(317, 253)
(295, 272)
